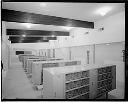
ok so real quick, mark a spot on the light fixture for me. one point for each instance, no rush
(103, 10)
(52, 35)
(24, 35)
(43, 4)
(67, 28)
(28, 25)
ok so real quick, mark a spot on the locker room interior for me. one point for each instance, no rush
(53, 41)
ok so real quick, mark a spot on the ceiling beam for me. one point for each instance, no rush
(28, 41)
(31, 38)
(36, 32)
(24, 17)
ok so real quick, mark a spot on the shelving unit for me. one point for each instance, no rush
(29, 61)
(28, 57)
(78, 82)
(106, 79)
(22, 58)
(38, 66)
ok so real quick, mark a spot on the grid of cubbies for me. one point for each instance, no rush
(104, 82)
(77, 85)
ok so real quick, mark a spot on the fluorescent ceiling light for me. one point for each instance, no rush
(103, 11)
(24, 35)
(67, 28)
(28, 25)
(52, 35)
(43, 4)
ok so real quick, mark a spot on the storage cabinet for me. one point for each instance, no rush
(38, 66)
(77, 85)
(106, 79)
(78, 82)
(29, 62)
(22, 58)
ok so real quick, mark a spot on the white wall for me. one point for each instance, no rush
(5, 48)
(62, 53)
(114, 29)
(112, 54)
(5, 53)
(109, 52)
(80, 52)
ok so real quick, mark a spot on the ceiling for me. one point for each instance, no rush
(78, 11)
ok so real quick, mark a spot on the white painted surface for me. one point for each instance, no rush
(109, 52)
(80, 52)
(114, 29)
(62, 53)
(5, 45)
(78, 11)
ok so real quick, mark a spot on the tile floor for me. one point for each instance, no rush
(17, 85)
